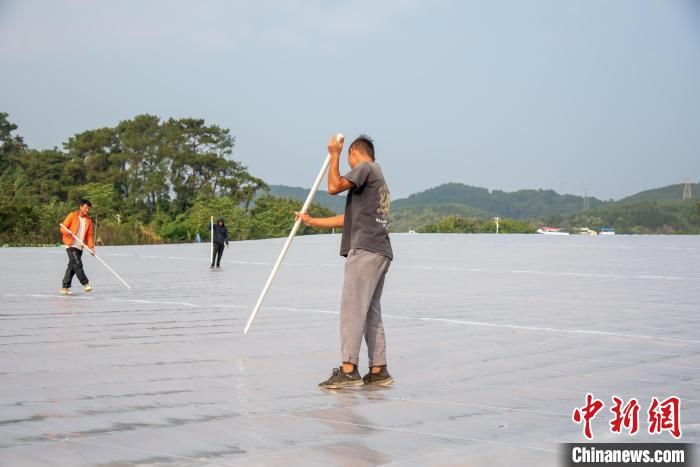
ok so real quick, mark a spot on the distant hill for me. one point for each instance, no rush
(521, 204)
(402, 218)
(456, 199)
(667, 193)
(652, 211)
(334, 203)
(642, 217)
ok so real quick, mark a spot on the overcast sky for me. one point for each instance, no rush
(602, 96)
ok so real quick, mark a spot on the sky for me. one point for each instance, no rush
(591, 97)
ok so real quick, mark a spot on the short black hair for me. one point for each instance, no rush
(364, 144)
(84, 201)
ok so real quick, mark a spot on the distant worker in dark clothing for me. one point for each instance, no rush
(220, 238)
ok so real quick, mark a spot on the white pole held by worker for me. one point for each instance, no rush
(287, 244)
(92, 252)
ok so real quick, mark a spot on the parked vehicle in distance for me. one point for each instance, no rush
(551, 231)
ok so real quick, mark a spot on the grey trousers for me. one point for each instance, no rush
(360, 310)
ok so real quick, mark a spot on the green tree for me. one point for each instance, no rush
(197, 220)
(39, 176)
(95, 158)
(145, 162)
(202, 166)
(10, 145)
(274, 217)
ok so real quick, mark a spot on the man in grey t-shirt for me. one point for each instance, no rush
(365, 244)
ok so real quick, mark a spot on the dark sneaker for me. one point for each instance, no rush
(342, 380)
(383, 378)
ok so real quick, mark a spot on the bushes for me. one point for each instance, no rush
(456, 224)
(274, 217)
(126, 233)
(31, 224)
(271, 217)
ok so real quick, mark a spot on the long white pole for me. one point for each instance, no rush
(93, 254)
(211, 239)
(288, 243)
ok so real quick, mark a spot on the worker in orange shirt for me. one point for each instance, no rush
(80, 224)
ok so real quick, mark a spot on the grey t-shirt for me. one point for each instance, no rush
(367, 206)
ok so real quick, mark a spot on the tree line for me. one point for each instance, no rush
(149, 180)
(641, 217)
(457, 224)
(153, 181)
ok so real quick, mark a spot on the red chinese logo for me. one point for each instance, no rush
(625, 417)
(662, 416)
(586, 413)
(665, 416)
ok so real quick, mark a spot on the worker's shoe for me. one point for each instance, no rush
(66, 291)
(88, 288)
(339, 379)
(383, 378)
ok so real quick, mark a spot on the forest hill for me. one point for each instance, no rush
(149, 181)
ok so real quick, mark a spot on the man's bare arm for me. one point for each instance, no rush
(336, 183)
(322, 222)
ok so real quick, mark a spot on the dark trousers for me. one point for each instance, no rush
(218, 253)
(75, 267)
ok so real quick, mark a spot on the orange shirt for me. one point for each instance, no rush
(73, 224)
